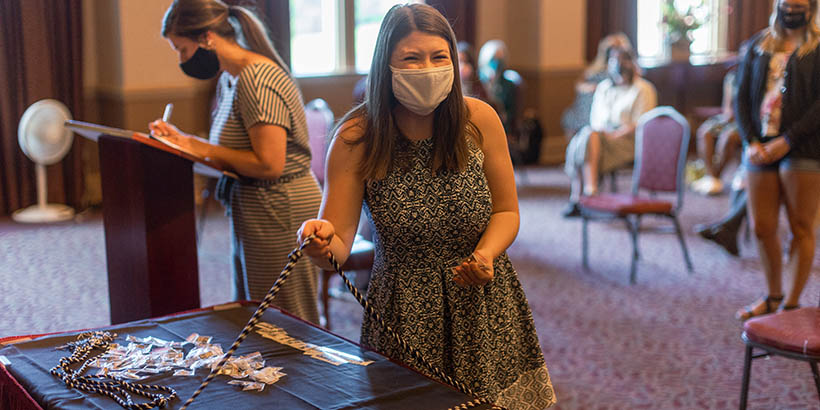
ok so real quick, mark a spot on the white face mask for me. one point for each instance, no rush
(422, 90)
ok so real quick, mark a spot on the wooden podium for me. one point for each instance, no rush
(150, 223)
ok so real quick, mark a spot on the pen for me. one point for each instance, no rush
(167, 114)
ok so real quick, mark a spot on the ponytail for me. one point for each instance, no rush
(254, 34)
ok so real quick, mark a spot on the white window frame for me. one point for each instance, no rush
(718, 33)
(345, 42)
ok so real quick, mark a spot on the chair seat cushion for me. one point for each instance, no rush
(623, 204)
(704, 112)
(793, 330)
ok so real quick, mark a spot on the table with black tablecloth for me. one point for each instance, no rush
(308, 384)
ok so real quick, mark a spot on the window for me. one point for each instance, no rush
(313, 36)
(320, 41)
(710, 38)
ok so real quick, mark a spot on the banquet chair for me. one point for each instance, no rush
(319, 122)
(661, 145)
(613, 176)
(360, 91)
(794, 334)
(320, 119)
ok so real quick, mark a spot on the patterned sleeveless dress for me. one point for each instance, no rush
(425, 224)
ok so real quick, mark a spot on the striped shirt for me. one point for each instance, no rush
(266, 216)
(262, 93)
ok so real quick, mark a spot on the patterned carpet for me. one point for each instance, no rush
(668, 342)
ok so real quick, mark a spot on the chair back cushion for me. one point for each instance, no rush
(319, 121)
(659, 140)
(360, 91)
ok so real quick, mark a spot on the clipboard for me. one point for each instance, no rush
(202, 165)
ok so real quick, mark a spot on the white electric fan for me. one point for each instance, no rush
(43, 137)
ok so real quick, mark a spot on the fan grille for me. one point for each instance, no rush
(42, 134)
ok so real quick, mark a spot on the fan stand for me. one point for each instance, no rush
(43, 212)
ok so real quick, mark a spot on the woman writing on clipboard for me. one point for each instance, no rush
(259, 131)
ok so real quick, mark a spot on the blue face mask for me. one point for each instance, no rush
(491, 70)
(494, 64)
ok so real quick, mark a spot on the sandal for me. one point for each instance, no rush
(770, 305)
(789, 307)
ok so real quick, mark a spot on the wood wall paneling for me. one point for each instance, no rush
(746, 17)
(336, 90)
(605, 17)
(550, 92)
(686, 86)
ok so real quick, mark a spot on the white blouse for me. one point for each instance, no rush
(616, 105)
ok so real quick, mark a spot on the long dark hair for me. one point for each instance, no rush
(451, 123)
(193, 18)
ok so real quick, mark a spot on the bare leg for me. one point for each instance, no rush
(764, 207)
(801, 196)
(573, 168)
(591, 164)
(706, 147)
(576, 187)
(728, 144)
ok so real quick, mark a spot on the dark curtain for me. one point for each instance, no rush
(40, 57)
(276, 14)
(746, 17)
(461, 15)
(605, 17)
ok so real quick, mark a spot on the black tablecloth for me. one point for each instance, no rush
(309, 383)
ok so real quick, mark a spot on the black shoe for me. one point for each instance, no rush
(726, 238)
(706, 231)
(572, 210)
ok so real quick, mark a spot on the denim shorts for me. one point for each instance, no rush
(786, 163)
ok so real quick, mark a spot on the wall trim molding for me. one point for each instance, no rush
(146, 94)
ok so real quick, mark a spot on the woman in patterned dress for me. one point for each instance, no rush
(434, 173)
(258, 130)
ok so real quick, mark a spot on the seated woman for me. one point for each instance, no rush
(718, 141)
(498, 83)
(608, 142)
(577, 115)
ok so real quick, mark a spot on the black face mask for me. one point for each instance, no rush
(204, 64)
(791, 20)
